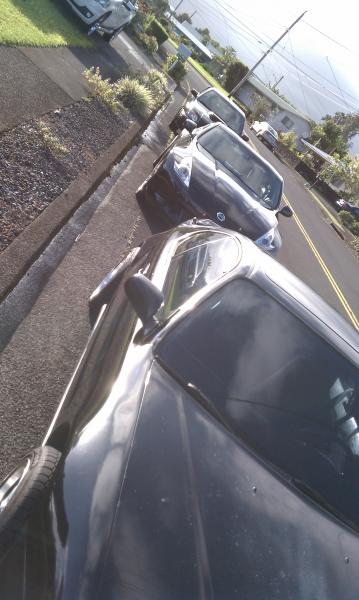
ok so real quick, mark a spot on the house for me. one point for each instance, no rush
(284, 116)
(192, 35)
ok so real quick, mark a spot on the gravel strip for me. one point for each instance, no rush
(31, 175)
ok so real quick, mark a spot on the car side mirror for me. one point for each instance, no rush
(215, 118)
(145, 298)
(245, 137)
(194, 93)
(286, 211)
(190, 125)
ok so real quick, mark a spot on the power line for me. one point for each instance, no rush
(330, 38)
(298, 75)
(336, 81)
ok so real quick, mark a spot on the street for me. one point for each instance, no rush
(44, 322)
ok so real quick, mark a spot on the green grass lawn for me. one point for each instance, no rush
(39, 23)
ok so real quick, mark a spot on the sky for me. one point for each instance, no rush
(319, 58)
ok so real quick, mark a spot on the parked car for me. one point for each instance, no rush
(210, 106)
(108, 17)
(349, 207)
(212, 173)
(265, 133)
(207, 444)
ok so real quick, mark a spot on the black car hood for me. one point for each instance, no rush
(213, 190)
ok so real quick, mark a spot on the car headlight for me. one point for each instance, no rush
(104, 3)
(183, 168)
(266, 241)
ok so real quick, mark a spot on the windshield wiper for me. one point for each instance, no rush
(318, 499)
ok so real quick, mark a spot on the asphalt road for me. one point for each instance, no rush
(44, 322)
(311, 247)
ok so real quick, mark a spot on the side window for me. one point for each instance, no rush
(199, 260)
(278, 386)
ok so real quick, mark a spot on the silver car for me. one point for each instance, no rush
(108, 17)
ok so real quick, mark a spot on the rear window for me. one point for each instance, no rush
(224, 109)
(198, 261)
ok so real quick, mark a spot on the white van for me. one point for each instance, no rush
(265, 133)
(108, 17)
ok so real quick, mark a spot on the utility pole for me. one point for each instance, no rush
(244, 79)
(173, 12)
(192, 15)
(276, 83)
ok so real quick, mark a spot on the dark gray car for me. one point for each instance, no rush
(212, 173)
(209, 106)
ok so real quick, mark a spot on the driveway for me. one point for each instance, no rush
(34, 81)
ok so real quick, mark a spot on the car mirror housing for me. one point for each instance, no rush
(215, 118)
(190, 125)
(286, 211)
(145, 298)
(194, 93)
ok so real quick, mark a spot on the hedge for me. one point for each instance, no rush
(155, 28)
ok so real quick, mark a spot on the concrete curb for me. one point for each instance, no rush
(27, 247)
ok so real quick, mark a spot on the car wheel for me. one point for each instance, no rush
(176, 125)
(108, 37)
(21, 491)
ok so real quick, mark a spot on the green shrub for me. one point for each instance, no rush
(155, 28)
(347, 218)
(135, 96)
(156, 82)
(51, 141)
(178, 72)
(149, 42)
(103, 89)
(289, 139)
(355, 228)
(235, 72)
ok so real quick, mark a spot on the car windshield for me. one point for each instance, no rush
(224, 109)
(277, 385)
(246, 166)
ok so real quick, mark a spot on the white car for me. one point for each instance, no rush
(108, 17)
(265, 133)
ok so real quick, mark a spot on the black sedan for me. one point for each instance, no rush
(207, 446)
(211, 173)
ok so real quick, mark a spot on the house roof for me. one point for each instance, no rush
(191, 35)
(273, 97)
(323, 155)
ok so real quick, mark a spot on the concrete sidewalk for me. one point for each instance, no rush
(36, 80)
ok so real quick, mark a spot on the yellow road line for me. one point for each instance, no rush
(328, 274)
(323, 207)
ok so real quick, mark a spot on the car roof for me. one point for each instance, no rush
(257, 157)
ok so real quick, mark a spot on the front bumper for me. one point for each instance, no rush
(87, 14)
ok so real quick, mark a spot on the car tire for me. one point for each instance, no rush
(21, 491)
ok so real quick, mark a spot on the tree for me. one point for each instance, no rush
(205, 33)
(234, 73)
(160, 7)
(184, 17)
(261, 107)
(289, 139)
(349, 123)
(344, 170)
(328, 136)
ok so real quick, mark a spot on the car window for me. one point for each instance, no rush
(224, 109)
(278, 386)
(254, 174)
(199, 260)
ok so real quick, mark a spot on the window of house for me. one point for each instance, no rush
(287, 122)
